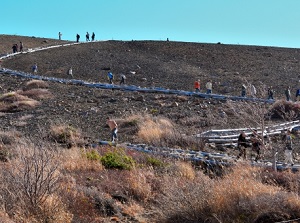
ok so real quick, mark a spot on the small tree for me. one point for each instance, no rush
(30, 179)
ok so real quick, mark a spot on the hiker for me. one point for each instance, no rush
(253, 90)
(197, 86)
(287, 93)
(21, 46)
(59, 35)
(242, 145)
(256, 144)
(87, 36)
(70, 72)
(34, 68)
(288, 152)
(208, 87)
(113, 128)
(77, 37)
(270, 93)
(110, 77)
(123, 78)
(93, 36)
(244, 88)
(297, 94)
(15, 48)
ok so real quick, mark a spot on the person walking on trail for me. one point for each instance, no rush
(256, 145)
(77, 37)
(208, 87)
(297, 94)
(123, 78)
(288, 152)
(113, 128)
(242, 145)
(15, 48)
(93, 36)
(197, 86)
(87, 36)
(21, 46)
(34, 68)
(244, 88)
(70, 72)
(287, 93)
(59, 35)
(253, 90)
(110, 77)
(270, 93)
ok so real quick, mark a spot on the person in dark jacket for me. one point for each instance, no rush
(256, 144)
(242, 145)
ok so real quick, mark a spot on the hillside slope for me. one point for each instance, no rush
(174, 65)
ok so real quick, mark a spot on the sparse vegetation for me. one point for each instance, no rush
(117, 159)
(42, 181)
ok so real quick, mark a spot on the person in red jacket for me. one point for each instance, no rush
(197, 86)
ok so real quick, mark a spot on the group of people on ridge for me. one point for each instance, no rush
(17, 48)
(256, 143)
(87, 37)
(208, 86)
(110, 77)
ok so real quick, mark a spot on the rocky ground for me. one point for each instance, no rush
(173, 65)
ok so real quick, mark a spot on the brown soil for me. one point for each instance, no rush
(173, 65)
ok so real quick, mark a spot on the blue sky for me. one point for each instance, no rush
(253, 22)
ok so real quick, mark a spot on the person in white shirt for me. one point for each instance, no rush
(208, 87)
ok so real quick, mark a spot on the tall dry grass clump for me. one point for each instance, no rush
(67, 135)
(75, 159)
(137, 185)
(14, 102)
(33, 84)
(153, 129)
(36, 93)
(184, 200)
(181, 169)
(242, 196)
(239, 196)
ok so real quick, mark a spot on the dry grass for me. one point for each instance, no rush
(12, 102)
(66, 135)
(55, 211)
(73, 159)
(152, 129)
(37, 93)
(182, 169)
(178, 194)
(240, 196)
(34, 84)
(137, 184)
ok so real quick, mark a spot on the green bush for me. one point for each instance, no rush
(117, 160)
(92, 155)
(155, 162)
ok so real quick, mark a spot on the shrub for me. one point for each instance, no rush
(117, 159)
(154, 162)
(286, 110)
(30, 181)
(93, 155)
